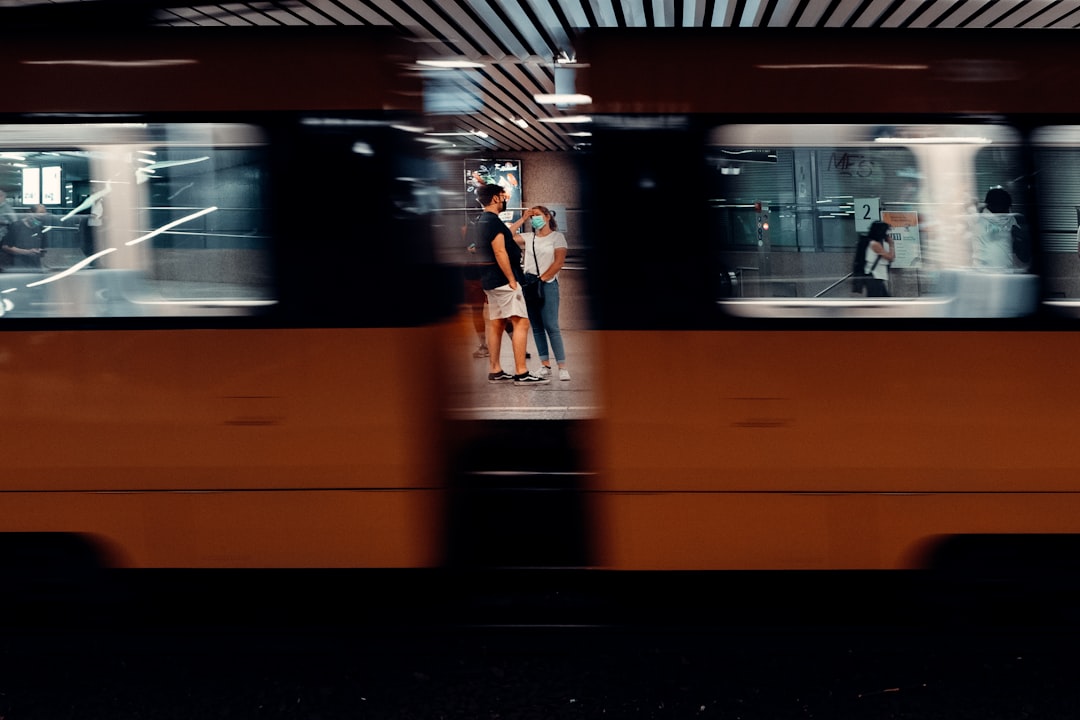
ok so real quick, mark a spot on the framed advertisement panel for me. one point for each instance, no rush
(505, 173)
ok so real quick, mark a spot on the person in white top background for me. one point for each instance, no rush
(995, 231)
(543, 254)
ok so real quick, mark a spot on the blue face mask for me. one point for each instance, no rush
(538, 222)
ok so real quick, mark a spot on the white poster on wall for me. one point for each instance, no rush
(50, 185)
(31, 186)
(904, 233)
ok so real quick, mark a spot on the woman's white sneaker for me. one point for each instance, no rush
(564, 374)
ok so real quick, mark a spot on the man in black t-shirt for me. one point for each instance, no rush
(500, 274)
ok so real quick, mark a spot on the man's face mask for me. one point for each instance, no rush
(538, 222)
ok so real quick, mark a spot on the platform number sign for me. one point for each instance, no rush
(867, 210)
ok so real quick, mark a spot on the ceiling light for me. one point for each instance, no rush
(520, 123)
(449, 64)
(562, 99)
(934, 141)
(470, 133)
(569, 119)
(843, 66)
(170, 62)
(580, 133)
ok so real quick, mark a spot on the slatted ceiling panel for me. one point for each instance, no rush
(287, 17)
(503, 32)
(535, 38)
(813, 13)
(349, 12)
(321, 12)
(935, 15)
(451, 25)
(1039, 17)
(471, 29)
(504, 104)
(917, 13)
(341, 13)
(525, 83)
(754, 14)
(604, 12)
(1000, 16)
(970, 11)
(1050, 14)
(839, 15)
(552, 16)
(1067, 14)
(870, 15)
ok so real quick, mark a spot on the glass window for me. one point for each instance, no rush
(1057, 196)
(790, 204)
(132, 219)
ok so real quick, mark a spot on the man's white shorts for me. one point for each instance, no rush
(506, 303)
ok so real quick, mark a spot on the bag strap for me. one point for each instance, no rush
(871, 270)
(535, 261)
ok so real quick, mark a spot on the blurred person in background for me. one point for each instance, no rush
(7, 219)
(880, 253)
(474, 295)
(25, 239)
(998, 234)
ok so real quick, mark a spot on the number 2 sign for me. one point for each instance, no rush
(867, 210)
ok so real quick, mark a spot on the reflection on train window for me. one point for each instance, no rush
(132, 220)
(789, 205)
(1056, 155)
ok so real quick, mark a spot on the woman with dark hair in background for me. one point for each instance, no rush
(880, 252)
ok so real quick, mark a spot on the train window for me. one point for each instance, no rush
(132, 219)
(1056, 154)
(789, 204)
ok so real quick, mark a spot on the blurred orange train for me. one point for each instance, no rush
(205, 357)
(759, 414)
(207, 369)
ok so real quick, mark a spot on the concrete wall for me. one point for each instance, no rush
(552, 179)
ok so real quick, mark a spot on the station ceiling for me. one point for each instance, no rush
(515, 43)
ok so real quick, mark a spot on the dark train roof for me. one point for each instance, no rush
(515, 43)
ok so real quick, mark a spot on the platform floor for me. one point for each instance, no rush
(471, 396)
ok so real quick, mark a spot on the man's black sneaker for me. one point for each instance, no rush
(530, 379)
(498, 377)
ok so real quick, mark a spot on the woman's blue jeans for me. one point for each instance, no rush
(545, 324)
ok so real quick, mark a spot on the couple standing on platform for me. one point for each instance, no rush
(504, 255)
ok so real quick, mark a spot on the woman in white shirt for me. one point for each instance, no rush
(543, 254)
